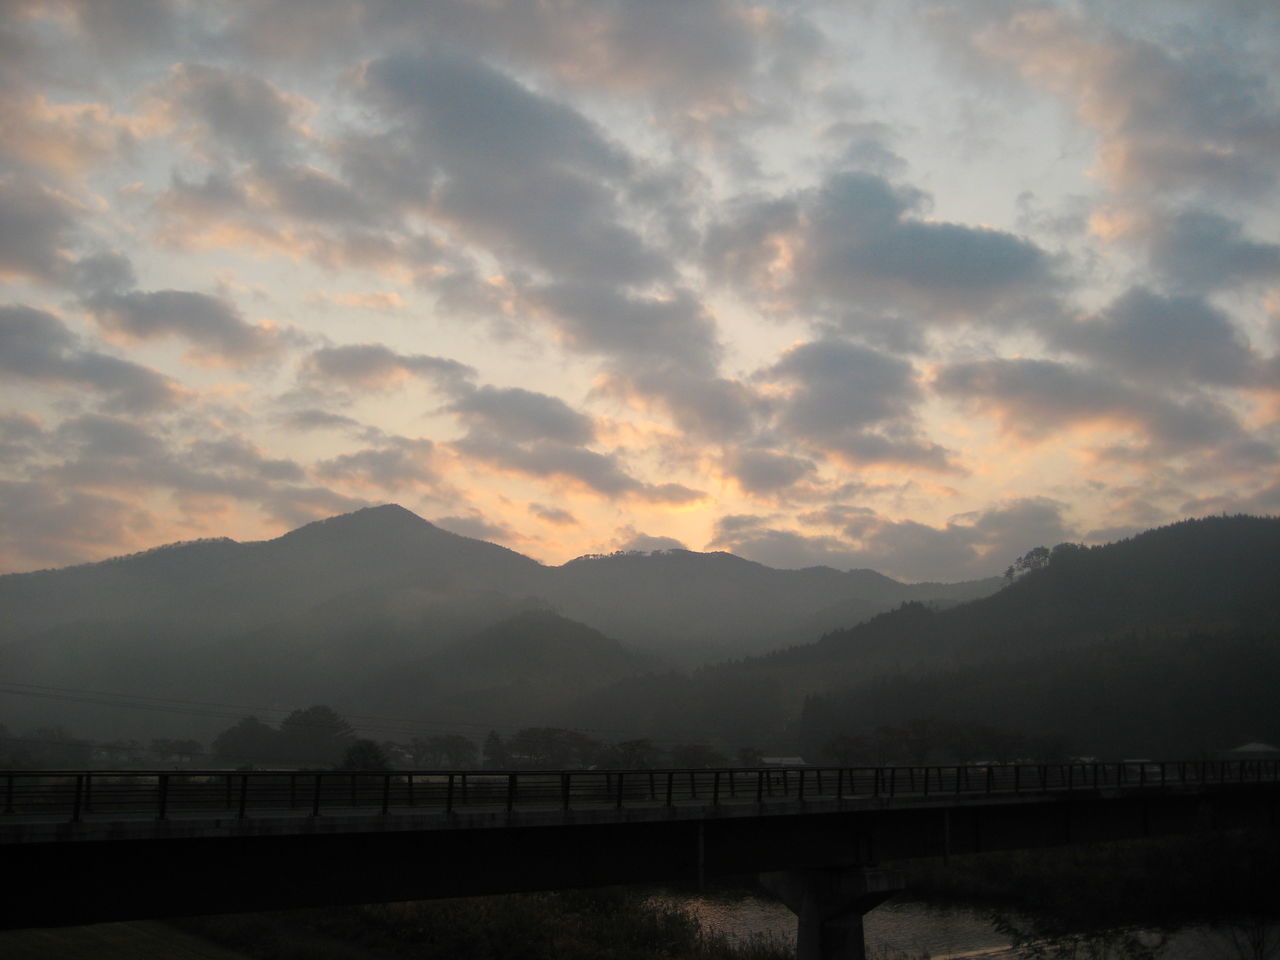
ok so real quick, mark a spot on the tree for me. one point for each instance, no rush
(1034, 559)
(175, 751)
(552, 748)
(450, 750)
(696, 756)
(637, 754)
(315, 736)
(365, 755)
(495, 751)
(54, 747)
(749, 757)
(248, 741)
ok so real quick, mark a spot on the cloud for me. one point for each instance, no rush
(400, 463)
(125, 28)
(44, 525)
(232, 110)
(520, 415)
(305, 193)
(110, 437)
(513, 171)
(373, 366)
(663, 351)
(35, 230)
(634, 540)
(35, 346)
(1164, 340)
(858, 241)
(974, 544)
(767, 472)
(237, 453)
(313, 419)
(557, 516)
(1034, 399)
(672, 330)
(1199, 250)
(549, 458)
(853, 401)
(212, 325)
(1167, 117)
(19, 433)
(601, 473)
(475, 526)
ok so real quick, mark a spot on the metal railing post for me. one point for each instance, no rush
(448, 796)
(315, 796)
(244, 795)
(511, 791)
(162, 796)
(715, 789)
(618, 804)
(670, 777)
(760, 786)
(386, 793)
(75, 804)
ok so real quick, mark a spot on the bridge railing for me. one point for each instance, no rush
(131, 795)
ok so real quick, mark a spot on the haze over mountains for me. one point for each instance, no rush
(387, 567)
(379, 612)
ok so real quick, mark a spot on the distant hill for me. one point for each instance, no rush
(327, 612)
(1194, 606)
(387, 564)
(722, 605)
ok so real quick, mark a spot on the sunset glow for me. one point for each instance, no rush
(908, 286)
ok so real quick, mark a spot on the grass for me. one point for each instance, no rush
(612, 924)
(139, 940)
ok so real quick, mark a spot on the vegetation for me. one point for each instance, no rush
(1127, 897)
(612, 924)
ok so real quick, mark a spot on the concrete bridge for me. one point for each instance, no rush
(90, 846)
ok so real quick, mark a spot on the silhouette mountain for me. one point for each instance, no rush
(387, 563)
(1180, 615)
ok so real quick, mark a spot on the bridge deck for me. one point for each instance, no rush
(94, 846)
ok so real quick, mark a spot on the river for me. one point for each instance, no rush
(907, 930)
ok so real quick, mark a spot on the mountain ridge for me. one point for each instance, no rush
(655, 599)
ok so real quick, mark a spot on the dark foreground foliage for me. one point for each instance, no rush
(1120, 899)
(612, 924)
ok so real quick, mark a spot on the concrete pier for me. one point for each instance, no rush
(830, 903)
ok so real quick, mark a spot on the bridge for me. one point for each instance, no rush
(92, 846)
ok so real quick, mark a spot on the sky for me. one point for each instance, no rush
(911, 286)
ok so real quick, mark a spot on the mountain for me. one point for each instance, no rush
(385, 567)
(702, 606)
(334, 609)
(1172, 636)
(211, 588)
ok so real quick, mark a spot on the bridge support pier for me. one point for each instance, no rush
(830, 902)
